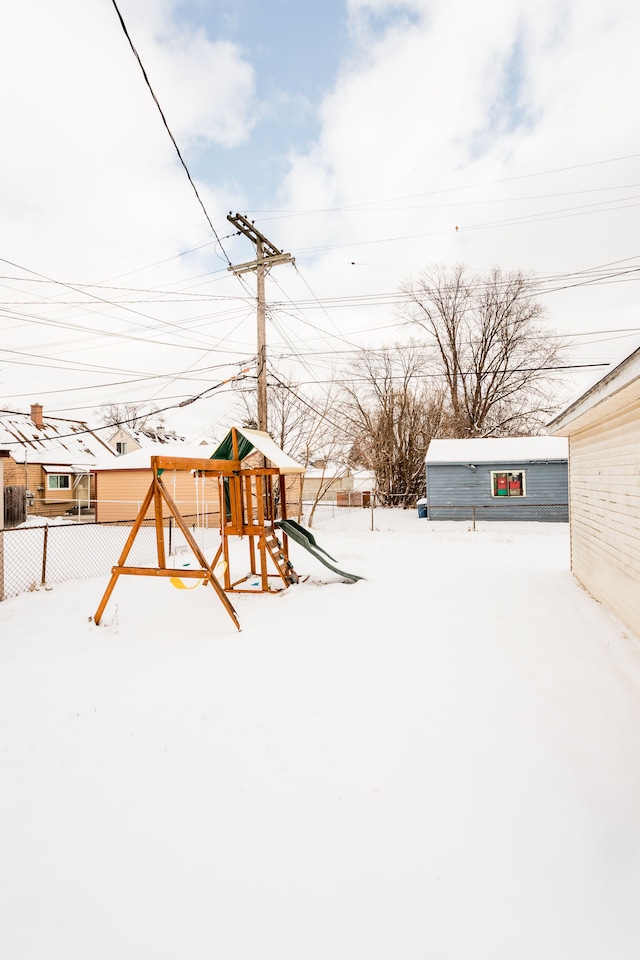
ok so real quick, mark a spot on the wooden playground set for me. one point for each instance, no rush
(253, 506)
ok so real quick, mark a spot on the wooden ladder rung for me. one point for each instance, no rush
(284, 566)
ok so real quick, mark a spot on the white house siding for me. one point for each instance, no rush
(330, 486)
(604, 485)
(121, 436)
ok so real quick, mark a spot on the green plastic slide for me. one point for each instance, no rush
(307, 540)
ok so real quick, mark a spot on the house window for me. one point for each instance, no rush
(58, 481)
(507, 483)
(121, 447)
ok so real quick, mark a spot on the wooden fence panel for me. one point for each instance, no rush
(15, 511)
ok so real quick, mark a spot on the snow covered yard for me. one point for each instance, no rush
(440, 761)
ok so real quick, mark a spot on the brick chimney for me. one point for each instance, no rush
(36, 415)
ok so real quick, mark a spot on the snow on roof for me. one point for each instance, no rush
(56, 442)
(495, 449)
(64, 468)
(623, 373)
(331, 470)
(141, 459)
(364, 480)
(149, 436)
(619, 359)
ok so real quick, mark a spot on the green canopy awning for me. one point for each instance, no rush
(250, 440)
(225, 450)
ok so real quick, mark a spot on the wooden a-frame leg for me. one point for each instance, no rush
(208, 571)
(125, 553)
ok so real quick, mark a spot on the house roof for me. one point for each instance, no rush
(254, 440)
(615, 390)
(330, 471)
(497, 449)
(149, 437)
(58, 442)
(64, 468)
(364, 479)
(141, 459)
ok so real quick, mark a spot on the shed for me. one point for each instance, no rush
(603, 429)
(506, 478)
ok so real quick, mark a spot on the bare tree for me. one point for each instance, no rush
(487, 340)
(394, 411)
(292, 420)
(308, 428)
(134, 415)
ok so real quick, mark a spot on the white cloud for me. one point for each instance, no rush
(437, 119)
(205, 87)
(88, 161)
(91, 189)
(465, 94)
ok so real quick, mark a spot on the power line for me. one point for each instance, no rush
(164, 120)
(95, 299)
(463, 373)
(174, 406)
(469, 186)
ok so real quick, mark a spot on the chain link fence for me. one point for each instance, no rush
(404, 513)
(34, 556)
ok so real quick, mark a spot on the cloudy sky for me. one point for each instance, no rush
(370, 139)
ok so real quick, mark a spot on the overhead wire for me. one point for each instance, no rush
(96, 299)
(610, 272)
(168, 129)
(174, 142)
(464, 373)
(472, 186)
(174, 406)
(379, 300)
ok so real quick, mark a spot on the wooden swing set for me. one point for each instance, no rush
(250, 501)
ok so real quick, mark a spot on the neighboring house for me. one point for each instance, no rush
(332, 481)
(603, 427)
(48, 470)
(323, 479)
(129, 439)
(509, 478)
(364, 481)
(361, 493)
(121, 484)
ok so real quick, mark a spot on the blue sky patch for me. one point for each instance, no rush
(295, 51)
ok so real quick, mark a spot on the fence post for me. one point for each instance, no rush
(474, 519)
(44, 554)
(1, 558)
(2, 495)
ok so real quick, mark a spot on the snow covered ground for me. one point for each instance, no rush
(440, 761)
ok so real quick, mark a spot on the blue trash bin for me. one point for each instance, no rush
(422, 507)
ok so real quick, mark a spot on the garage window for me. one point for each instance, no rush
(508, 483)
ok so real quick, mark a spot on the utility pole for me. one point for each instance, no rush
(267, 256)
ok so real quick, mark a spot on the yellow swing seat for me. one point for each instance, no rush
(181, 585)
